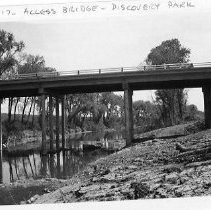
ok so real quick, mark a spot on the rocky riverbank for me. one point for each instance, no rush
(151, 169)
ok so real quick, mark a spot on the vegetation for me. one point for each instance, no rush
(171, 103)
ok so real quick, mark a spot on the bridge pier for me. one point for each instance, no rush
(51, 133)
(1, 168)
(63, 121)
(207, 105)
(57, 124)
(43, 122)
(0, 126)
(128, 102)
(58, 166)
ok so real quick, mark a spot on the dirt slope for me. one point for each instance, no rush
(152, 169)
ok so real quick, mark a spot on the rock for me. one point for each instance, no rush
(156, 140)
(183, 179)
(35, 197)
(84, 190)
(138, 159)
(172, 178)
(46, 190)
(161, 192)
(154, 187)
(111, 177)
(141, 190)
(179, 192)
(116, 168)
(28, 201)
(104, 172)
(95, 179)
(207, 185)
(172, 168)
(132, 167)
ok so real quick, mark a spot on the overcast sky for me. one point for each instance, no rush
(115, 42)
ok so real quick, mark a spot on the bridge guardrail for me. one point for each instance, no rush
(112, 70)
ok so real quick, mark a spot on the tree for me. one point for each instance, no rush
(94, 110)
(172, 102)
(27, 63)
(192, 113)
(145, 115)
(9, 47)
(113, 109)
(31, 64)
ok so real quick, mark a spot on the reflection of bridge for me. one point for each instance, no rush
(118, 79)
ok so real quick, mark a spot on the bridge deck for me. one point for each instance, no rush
(138, 80)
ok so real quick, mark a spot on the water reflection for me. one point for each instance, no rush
(63, 164)
(52, 165)
(107, 140)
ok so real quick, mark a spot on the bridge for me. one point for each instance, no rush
(127, 79)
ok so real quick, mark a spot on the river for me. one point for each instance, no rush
(82, 149)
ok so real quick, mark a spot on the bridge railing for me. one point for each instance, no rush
(113, 70)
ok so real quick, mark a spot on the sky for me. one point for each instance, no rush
(114, 42)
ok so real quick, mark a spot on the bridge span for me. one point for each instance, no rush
(150, 77)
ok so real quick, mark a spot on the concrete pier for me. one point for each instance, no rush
(57, 124)
(207, 105)
(128, 102)
(63, 121)
(1, 168)
(51, 133)
(43, 116)
(0, 127)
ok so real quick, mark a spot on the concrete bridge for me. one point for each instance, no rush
(151, 77)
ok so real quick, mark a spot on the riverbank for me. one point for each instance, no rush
(151, 169)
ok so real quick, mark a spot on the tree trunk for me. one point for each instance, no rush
(33, 111)
(10, 109)
(32, 100)
(15, 108)
(24, 107)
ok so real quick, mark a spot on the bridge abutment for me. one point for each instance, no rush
(128, 103)
(207, 105)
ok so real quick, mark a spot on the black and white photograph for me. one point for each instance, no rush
(105, 108)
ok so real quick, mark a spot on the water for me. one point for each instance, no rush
(84, 148)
